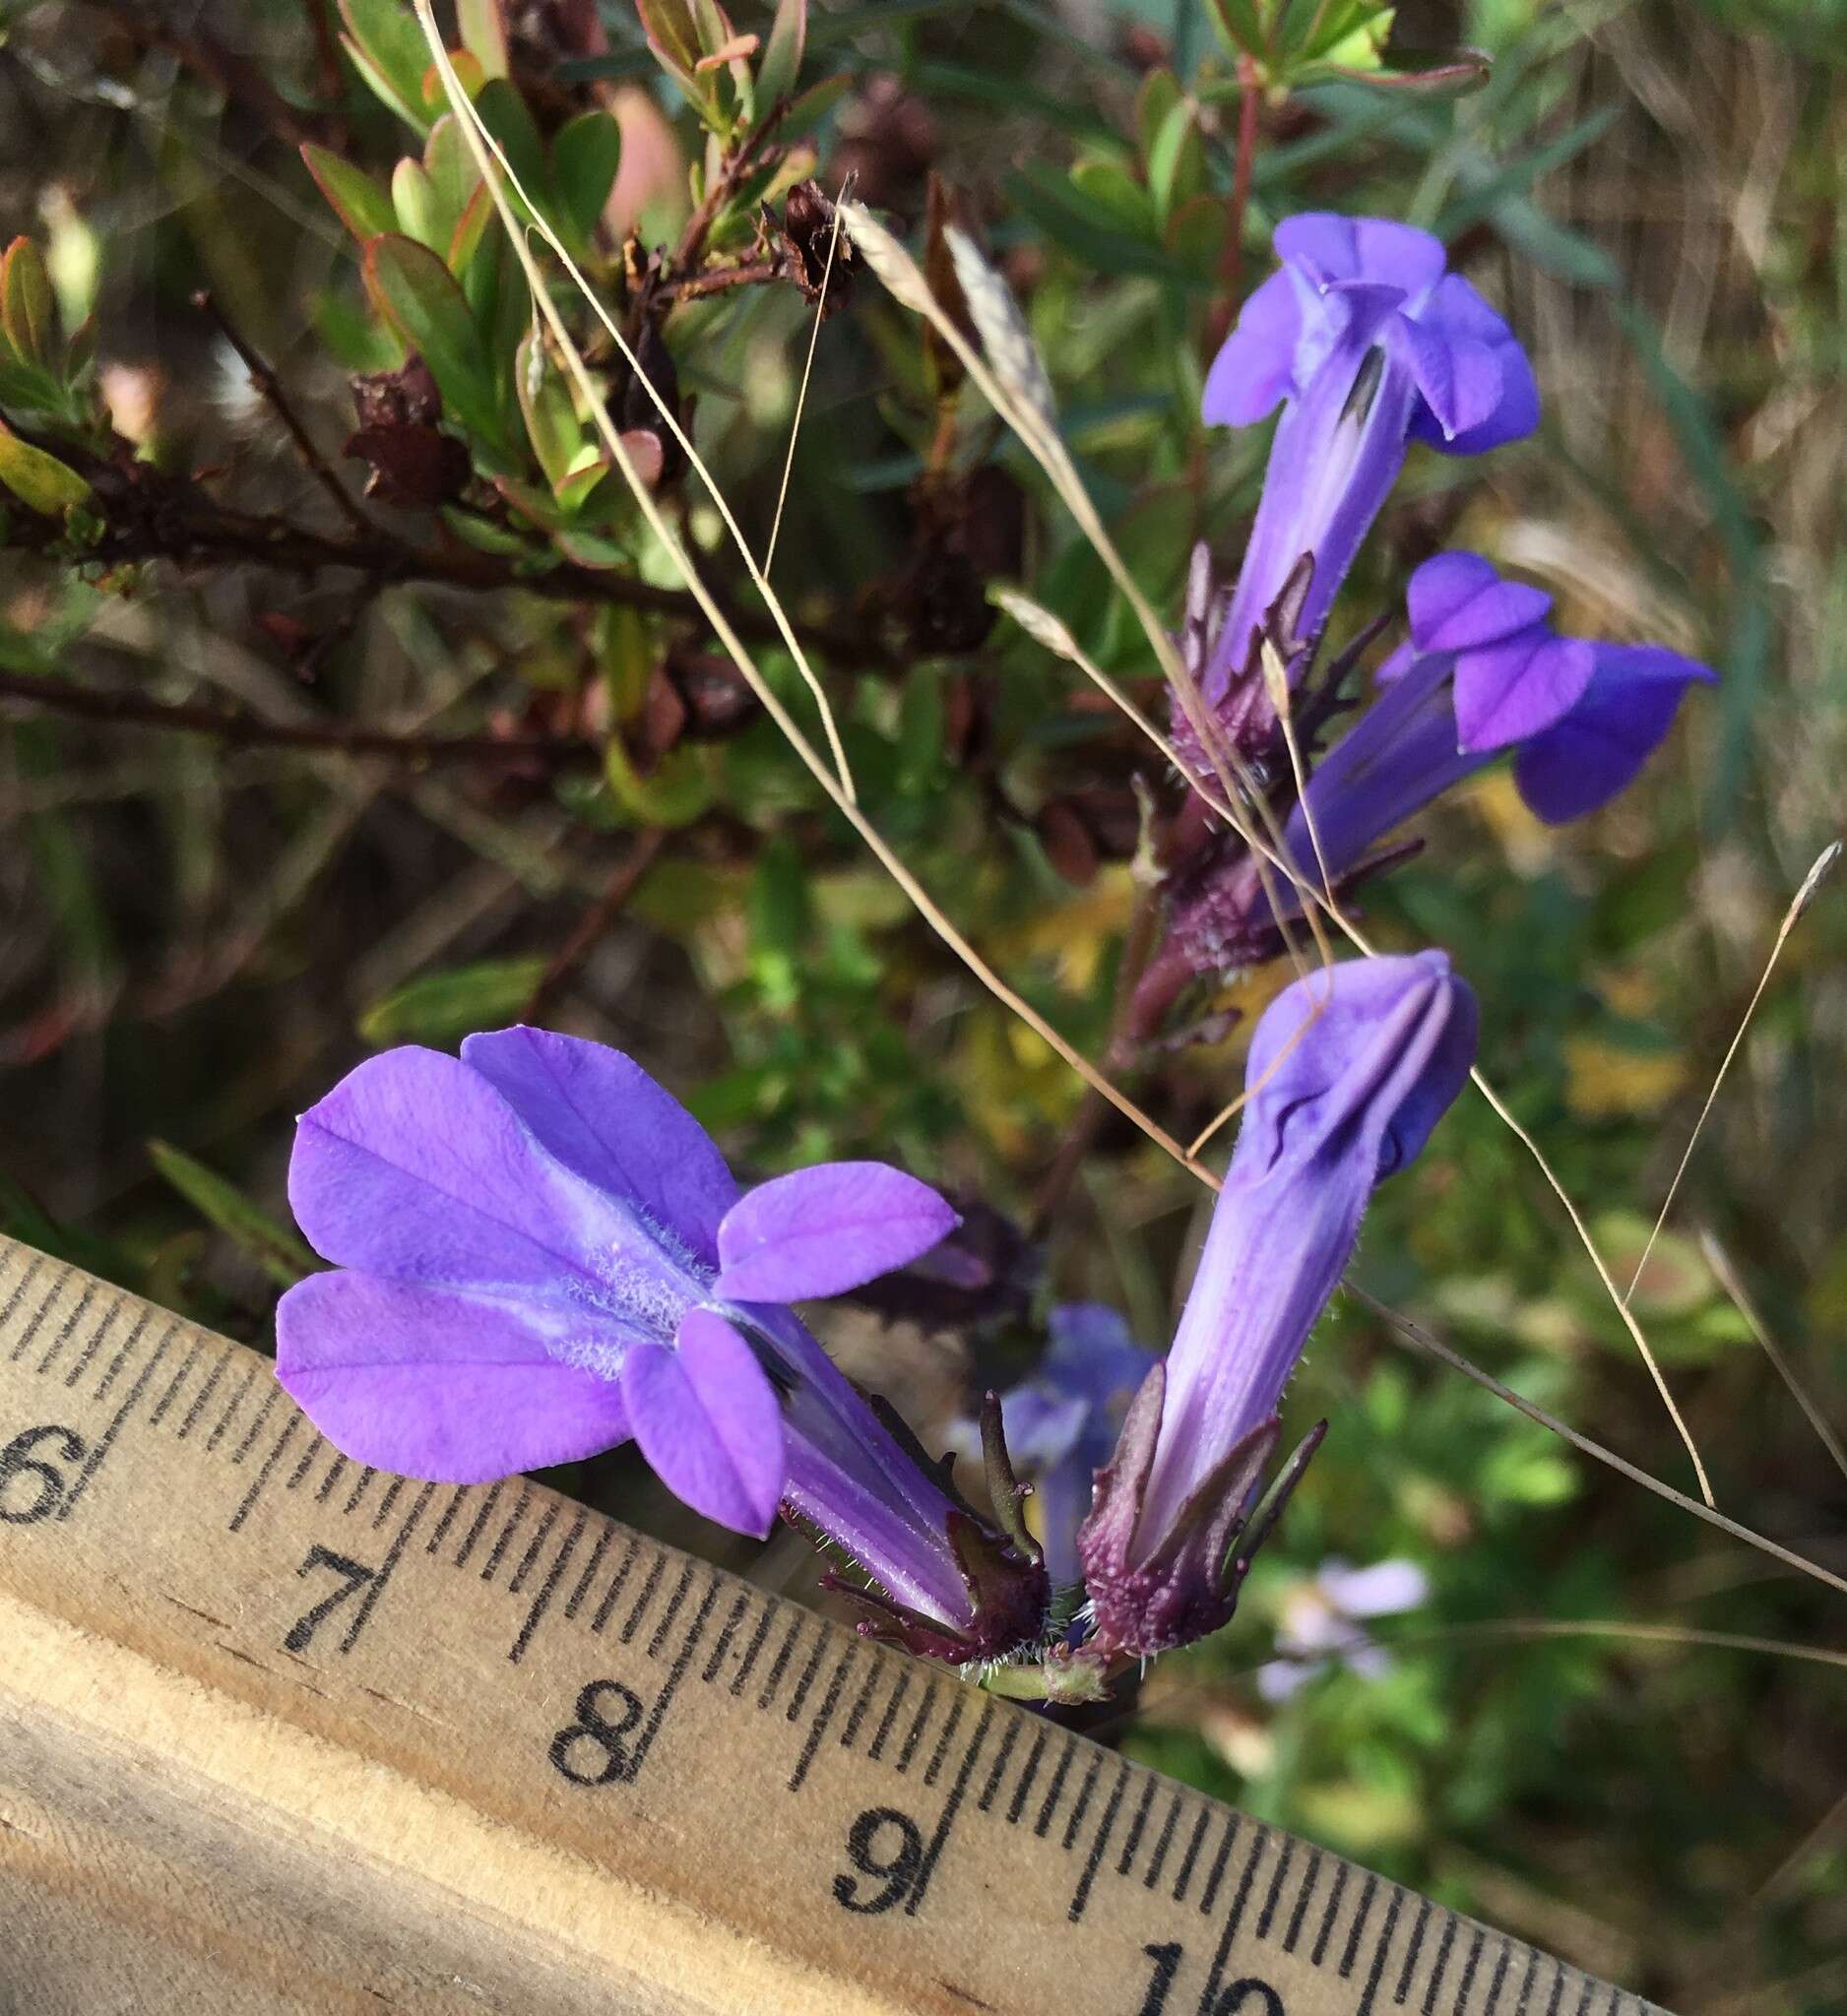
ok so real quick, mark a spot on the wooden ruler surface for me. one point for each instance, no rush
(282, 1732)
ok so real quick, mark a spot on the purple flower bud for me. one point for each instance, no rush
(1349, 1071)
(1368, 343)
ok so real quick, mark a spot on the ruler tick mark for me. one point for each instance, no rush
(268, 1466)
(13, 1300)
(179, 1379)
(676, 1672)
(257, 1424)
(202, 1398)
(306, 1464)
(1233, 1821)
(650, 1583)
(998, 1772)
(93, 1343)
(107, 1441)
(891, 1709)
(1233, 1919)
(1093, 1861)
(1393, 1906)
(447, 1520)
(377, 1588)
(918, 1724)
(1136, 1827)
(1016, 1806)
(941, 1750)
(334, 1471)
(617, 1583)
(1266, 1917)
(1330, 1914)
(1084, 1792)
(806, 1680)
(1438, 1971)
(1557, 1989)
(1468, 1972)
(668, 1614)
(1190, 1861)
(1526, 1981)
(951, 1807)
(70, 1323)
(1425, 1908)
(1158, 1860)
(492, 1566)
(361, 1485)
(575, 1601)
(1358, 1928)
(770, 1608)
(779, 1665)
(1055, 1790)
(478, 1524)
(1583, 2002)
(393, 1493)
(824, 1715)
(553, 1576)
(856, 1714)
(1306, 1890)
(1499, 1980)
(739, 1604)
(540, 1534)
(236, 1400)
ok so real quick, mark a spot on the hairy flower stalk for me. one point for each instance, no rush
(1368, 343)
(539, 1254)
(1349, 1071)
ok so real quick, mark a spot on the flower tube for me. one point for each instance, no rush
(1349, 1071)
(1368, 343)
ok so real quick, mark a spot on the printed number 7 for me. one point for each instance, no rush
(354, 1576)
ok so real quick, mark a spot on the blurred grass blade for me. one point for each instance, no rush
(280, 1253)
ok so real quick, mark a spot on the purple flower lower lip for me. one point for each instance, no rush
(542, 1254)
(1349, 1071)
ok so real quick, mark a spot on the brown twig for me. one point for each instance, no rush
(692, 240)
(345, 738)
(596, 922)
(1231, 259)
(270, 387)
(715, 282)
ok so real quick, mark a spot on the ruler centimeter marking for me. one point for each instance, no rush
(930, 1796)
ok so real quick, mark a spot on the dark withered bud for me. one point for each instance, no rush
(413, 462)
(1067, 842)
(985, 1272)
(717, 702)
(808, 236)
(637, 411)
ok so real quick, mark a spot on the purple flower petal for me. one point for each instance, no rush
(413, 1166)
(1506, 692)
(1257, 363)
(705, 1415)
(1457, 313)
(1459, 379)
(434, 1383)
(822, 1231)
(603, 1117)
(1329, 248)
(1601, 745)
(1383, 1590)
(1458, 601)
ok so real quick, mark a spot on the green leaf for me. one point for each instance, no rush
(29, 387)
(390, 53)
(453, 175)
(25, 304)
(483, 33)
(1114, 196)
(673, 794)
(585, 156)
(552, 422)
(505, 115)
(439, 1007)
(418, 296)
(1177, 161)
(280, 1253)
(414, 201)
(1159, 94)
(38, 480)
(353, 196)
(781, 58)
(672, 33)
(1238, 27)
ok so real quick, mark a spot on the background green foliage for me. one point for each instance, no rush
(202, 932)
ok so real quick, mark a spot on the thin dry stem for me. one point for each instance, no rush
(1811, 882)
(807, 372)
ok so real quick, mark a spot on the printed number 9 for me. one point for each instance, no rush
(897, 1871)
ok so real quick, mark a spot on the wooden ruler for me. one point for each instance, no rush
(280, 1733)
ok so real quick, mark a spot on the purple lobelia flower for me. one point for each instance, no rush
(1061, 1423)
(1368, 343)
(1482, 674)
(539, 1254)
(1349, 1071)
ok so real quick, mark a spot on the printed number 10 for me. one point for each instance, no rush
(1247, 1997)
